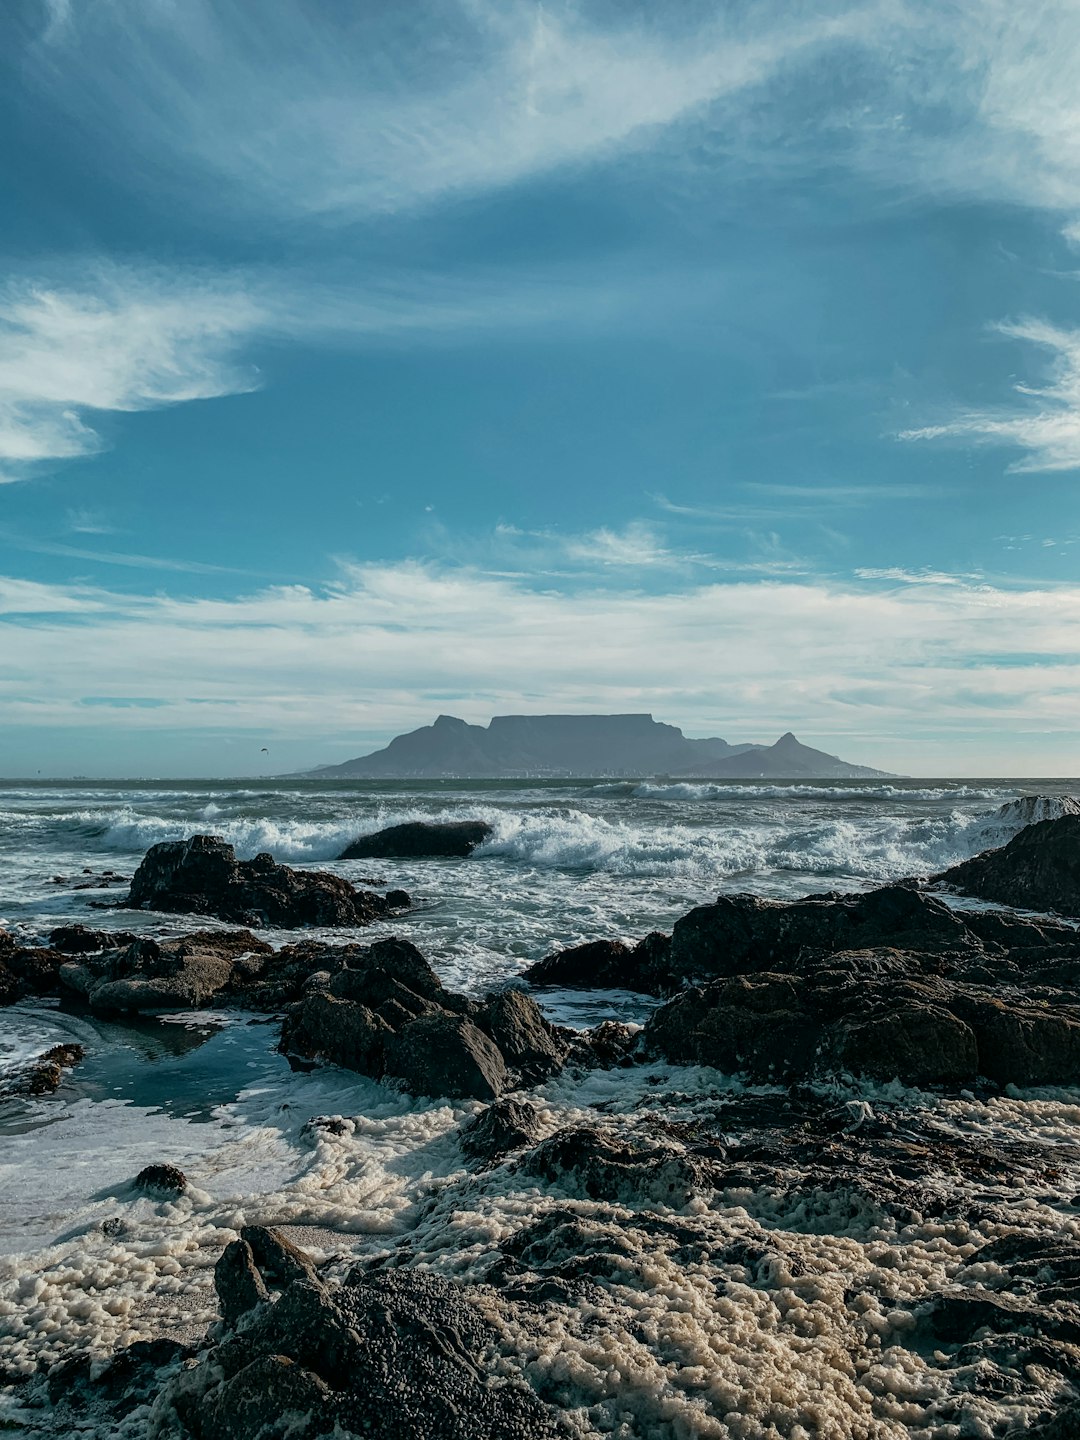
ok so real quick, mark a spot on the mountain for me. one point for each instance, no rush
(585, 745)
(788, 759)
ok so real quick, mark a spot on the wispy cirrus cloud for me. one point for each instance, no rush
(365, 110)
(1044, 424)
(121, 341)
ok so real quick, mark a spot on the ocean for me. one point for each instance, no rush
(86, 1263)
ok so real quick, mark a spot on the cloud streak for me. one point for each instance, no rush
(1045, 425)
(839, 657)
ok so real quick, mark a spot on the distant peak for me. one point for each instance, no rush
(787, 739)
(448, 722)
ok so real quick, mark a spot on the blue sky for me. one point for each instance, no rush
(359, 362)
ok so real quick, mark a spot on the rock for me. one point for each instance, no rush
(387, 1355)
(385, 1013)
(743, 933)
(277, 1258)
(921, 1043)
(506, 1126)
(530, 1046)
(1023, 1044)
(79, 940)
(760, 1024)
(1039, 869)
(599, 964)
(161, 1181)
(43, 1076)
(202, 876)
(238, 1283)
(600, 1165)
(444, 1054)
(420, 839)
(186, 973)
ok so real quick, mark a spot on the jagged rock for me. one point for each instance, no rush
(875, 1013)
(161, 1181)
(603, 1166)
(149, 974)
(444, 1054)
(530, 1046)
(385, 1356)
(277, 1258)
(1039, 869)
(202, 876)
(420, 839)
(238, 1283)
(505, 1126)
(385, 1013)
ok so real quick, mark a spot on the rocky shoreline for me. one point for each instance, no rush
(859, 1236)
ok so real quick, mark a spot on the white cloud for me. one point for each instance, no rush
(121, 341)
(1046, 424)
(388, 645)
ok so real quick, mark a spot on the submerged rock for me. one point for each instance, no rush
(386, 1355)
(1039, 869)
(420, 839)
(43, 1075)
(202, 876)
(189, 972)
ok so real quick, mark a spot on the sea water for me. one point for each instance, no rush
(88, 1263)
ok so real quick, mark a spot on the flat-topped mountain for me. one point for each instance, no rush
(513, 746)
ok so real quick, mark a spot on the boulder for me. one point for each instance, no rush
(1039, 869)
(444, 1054)
(600, 1165)
(758, 1024)
(43, 1075)
(923, 1044)
(202, 876)
(598, 964)
(506, 1126)
(531, 1047)
(238, 1283)
(420, 839)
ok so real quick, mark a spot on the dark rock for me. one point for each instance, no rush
(118, 1383)
(530, 1046)
(760, 1024)
(255, 1401)
(608, 1044)
(149, 974)
(418, 839)
(1039, 869)
(923, 1044)
(202, 876)
(444, 1054)
(506, 1126)
(603, 1166)
(161, 1181)
(385, 1356)
(79, 940)
(599, 964)
(238, 1283)
(1024, 1044)
(743, 933)
(325, 1027)
(278, 1259)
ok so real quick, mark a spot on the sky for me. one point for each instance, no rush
(365, 361)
